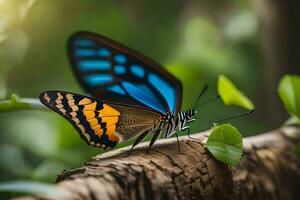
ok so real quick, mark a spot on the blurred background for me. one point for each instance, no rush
(252, 42)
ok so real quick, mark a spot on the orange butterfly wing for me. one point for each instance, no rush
(94, 120)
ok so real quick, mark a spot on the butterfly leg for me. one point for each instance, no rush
(189, 132)
(178, 144)
(154, 138)
(138, 140)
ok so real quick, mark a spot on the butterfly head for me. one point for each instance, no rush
(167, 117)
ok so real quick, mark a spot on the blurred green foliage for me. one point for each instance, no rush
(48, 191)
(196, 41)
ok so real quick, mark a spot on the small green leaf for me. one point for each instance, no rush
(289, 93)
(225, 144)
(231, 95)
(34, 188)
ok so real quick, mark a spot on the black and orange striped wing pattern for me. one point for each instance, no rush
(95, 120)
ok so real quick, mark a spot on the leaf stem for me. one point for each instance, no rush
(16, 103)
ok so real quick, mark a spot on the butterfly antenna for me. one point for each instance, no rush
(204, 89)
(205, 120)
(236, 116)
(209, 101)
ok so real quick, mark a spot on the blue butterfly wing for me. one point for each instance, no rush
(112, 71)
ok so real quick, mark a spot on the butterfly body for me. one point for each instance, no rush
(177, 121)
(131, 94)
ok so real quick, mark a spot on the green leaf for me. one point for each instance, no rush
(34, 188)
(225, 144)
(289, 93)
(231, 95)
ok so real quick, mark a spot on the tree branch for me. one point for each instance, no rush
(268, 170)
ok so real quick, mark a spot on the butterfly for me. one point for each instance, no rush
(131, 95)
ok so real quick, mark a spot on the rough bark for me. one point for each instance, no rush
(268, 170)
